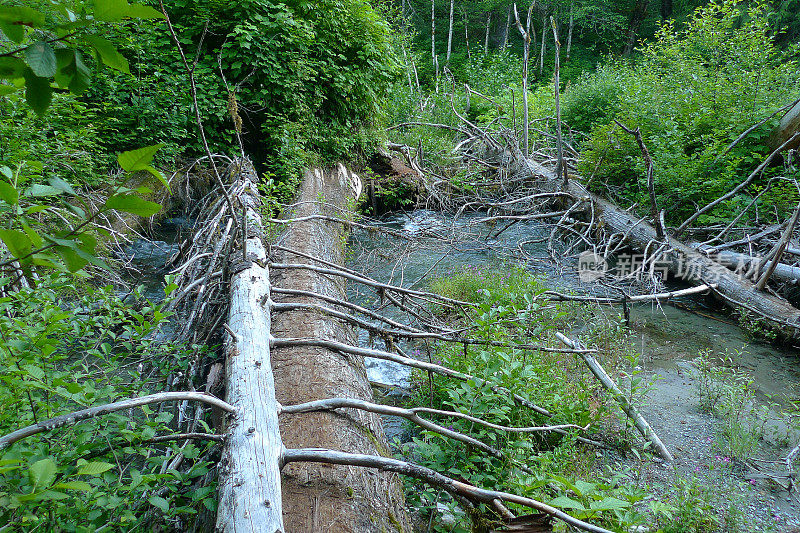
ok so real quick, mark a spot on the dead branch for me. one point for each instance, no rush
(457, 488)
(625, 404)
(76, 417)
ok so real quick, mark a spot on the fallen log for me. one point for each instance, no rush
(743, 264)
(679, 259)
(638, 420)
(250, 477)
(317, 497)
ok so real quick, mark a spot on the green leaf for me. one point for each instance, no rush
(34, 371)
(159, 502)
(42, 472)
(73, 485)
(41, 57)
(5, 90)
(110, 10)
(8, 193)
(21, 15)
(141, 11)
(72, 260)
(93, 469)
(65, 66)
(11, 67)
(609, 504)
(108, 53)
(38, 92)
(17, 242)
(130, 203)
(139, 159)
(83, 75)
(563, 502)
(35, 238)
(157, 173)
(61, 185)
(39, 190)
(14, 32)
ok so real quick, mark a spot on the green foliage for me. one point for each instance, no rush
(692, 92)
(513, 308)
(33, 243)
(49, 45)
(727, 392)
(58, 356)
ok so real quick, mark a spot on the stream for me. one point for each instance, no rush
(668, 338)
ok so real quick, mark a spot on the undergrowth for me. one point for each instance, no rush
(513, 308)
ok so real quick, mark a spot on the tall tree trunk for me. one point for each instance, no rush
(560, 166)
(450, 32)
(508, 27)
(526, 47)
(466, 34)
(486, 38)
(433, 32)
(638, 15)
(544, 45)
(571, 27)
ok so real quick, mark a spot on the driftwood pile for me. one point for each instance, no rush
(515, 187)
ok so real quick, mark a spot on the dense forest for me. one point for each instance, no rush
(570, 213)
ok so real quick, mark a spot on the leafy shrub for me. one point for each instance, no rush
(59, 356)
(691, 92)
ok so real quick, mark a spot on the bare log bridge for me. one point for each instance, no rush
(318, 497)
(312, 365)
(250, 478)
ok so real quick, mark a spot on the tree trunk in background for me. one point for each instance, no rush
(508, 27)
(466, 34)
(450, 33)
(544, 45)
(433, 32)
(571, 27)
(789, 125)
(486, 39)
(638, 15)
(666, 9)
(526, 47)
(319, 498)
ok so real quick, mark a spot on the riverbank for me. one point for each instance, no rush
(667, 340)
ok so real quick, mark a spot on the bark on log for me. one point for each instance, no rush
(250, 478)
(321, 498)
(746, 263)
(681, 260)
(789, 125)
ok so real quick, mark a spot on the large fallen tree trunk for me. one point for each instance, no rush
(746, 264)
(318, 497)
(250, 476)
(679, 259)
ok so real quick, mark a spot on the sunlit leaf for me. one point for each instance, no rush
(108, 53)
(42, 472)
(138, 159)
(93, 469)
